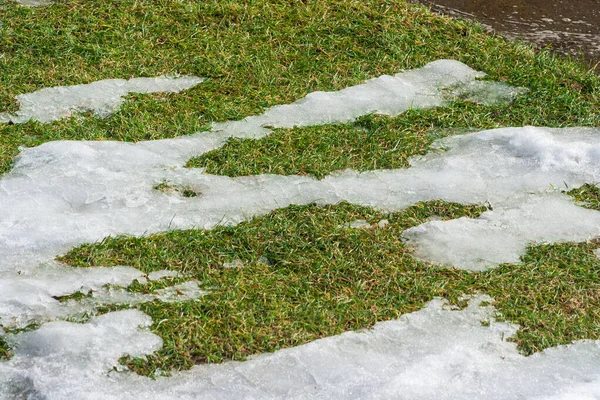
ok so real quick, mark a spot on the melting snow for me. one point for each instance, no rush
(101, 97)
(34, 3)
(429, 86)
(163, 273)
(432, 353)
(502, 235)
(237, 263)
(35, 295)
(65, 193)
(358, 224)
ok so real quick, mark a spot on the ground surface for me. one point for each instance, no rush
(296, 274)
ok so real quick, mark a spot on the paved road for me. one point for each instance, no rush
(567, 26)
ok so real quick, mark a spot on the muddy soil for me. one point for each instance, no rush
(569, 27)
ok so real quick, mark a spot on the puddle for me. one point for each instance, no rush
(570, 28)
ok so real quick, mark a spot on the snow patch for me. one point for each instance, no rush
(362, 224)
(358, 224)
(488, 93)
(436, 353)
(503, 234)
(35, 296)
(185, 291)
(388, 95)
(383, 223)
(34, 3)
(163, 273)
(102, 97)
(237, 263)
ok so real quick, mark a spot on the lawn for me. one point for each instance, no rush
(305, 274)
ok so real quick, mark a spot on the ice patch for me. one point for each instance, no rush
(185, 291)
(163, 273)
(383, 223)
(358, 224)
(34, 296)
(111, 295)
(503, 234)
(237, 263)
(388, 95)
(101, 97)
(34, 3)
(488, 93)
(432, 353)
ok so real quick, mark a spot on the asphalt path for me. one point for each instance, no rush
(568, 27)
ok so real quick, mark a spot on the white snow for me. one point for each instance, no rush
(358, 224)
(383, 223)
(236, 263)
(430, 86)
(503, 234)
(435, 353)
(65, 193)
(163, 273)
(34, 295)
(34, 3)
(102, 97)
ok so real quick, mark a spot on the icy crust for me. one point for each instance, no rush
(503, 234)
(486, 92)
(389, 95)
(102, 97)
(34, 3)
(34, 296)
(434, 353)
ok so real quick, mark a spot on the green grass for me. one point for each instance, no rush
(587, 196)
(5, 351)
(323, 279)
(258, 54)
(371, 142)
(73, 296)
(167, 187)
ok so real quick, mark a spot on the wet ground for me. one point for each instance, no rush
(568, 27)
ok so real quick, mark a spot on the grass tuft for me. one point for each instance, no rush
(587, 196)
(167, 187)
(5, 350)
